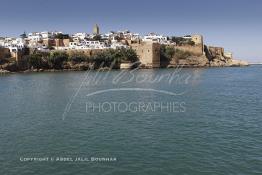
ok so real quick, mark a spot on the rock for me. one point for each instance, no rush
(67, 65)
(126, 65)
(12, 67)
(235, 62)
(217, 62)
(2, 71)
(171, 66)
(193, 61)
(77, 66)
(104, 69)
(26, 71)
(198, 60)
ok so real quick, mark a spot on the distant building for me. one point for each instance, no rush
(118, 45)
(96, 30)
(46, 35)
(13, 44)
(35, 36)
(85, 44)
(155, 38)
(80, 36)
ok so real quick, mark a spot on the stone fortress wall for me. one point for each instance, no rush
(4, 52)
(194, 50)
(148, 53)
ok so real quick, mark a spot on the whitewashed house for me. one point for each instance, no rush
(35, 36)
(48, 35)
(94, 44)
(118, 45)
(155, 38)
(80, 36)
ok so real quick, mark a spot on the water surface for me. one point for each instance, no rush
(220, 131)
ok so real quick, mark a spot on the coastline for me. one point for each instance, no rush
(3, 71)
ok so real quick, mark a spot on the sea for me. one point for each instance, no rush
(179, 121)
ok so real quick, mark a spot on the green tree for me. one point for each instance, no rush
(57, 59)
(180, 54)
(182, 41)
(61, 36)
(77, 57)
(129, 55)
(166, 53)
(38, 60)
(35, 61)
(97, 37)
(23, 35)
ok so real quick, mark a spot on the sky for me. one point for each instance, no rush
(235, 25)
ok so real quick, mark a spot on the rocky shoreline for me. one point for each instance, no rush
(60, 61)
(84, 67)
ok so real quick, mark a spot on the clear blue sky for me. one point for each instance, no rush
(233, 24)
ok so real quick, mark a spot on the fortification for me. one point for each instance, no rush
(4, 53)
(198, 39)
(216, 51)
(86, 52)
(148, 53)
(196, 50)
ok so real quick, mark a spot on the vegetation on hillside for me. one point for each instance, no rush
(169, 52)
(182, 41)
(61, 36)
(57, 59)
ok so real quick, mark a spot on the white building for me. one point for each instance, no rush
(80, 36)
(155, 38)
(126, 34)
(85, 44)
(39, 36)
(118, 45)
(129, 35)
(47, 35)
(35, 37)
(13, 44)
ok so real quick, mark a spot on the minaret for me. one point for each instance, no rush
(96, 30)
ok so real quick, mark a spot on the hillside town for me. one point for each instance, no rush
(46, 41)
(188, 50)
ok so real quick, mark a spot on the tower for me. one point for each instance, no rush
(96, 30)
(198, 39)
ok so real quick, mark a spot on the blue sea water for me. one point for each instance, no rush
(215, 129)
